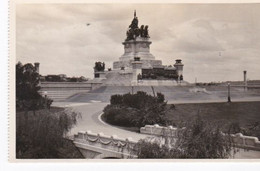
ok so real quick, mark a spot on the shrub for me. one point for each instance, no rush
(160, 97)
(202, 140)
(116, 99)
(136, 109)
(121, 116)
(150, 150)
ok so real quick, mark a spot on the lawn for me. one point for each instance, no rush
(244, 113)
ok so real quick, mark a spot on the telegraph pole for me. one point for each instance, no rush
(229, 99)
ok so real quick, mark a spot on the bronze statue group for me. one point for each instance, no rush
(134, 31)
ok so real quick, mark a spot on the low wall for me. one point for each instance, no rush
(247, 142)
(59, 91)
(158, 130)
(98, 146)
(240, 140)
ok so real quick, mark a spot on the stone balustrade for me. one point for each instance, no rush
(94, 145)
(247, 142)
(240, 140)
(158, 130)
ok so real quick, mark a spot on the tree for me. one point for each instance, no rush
(27, 82)
(27, 89)
(197, 140)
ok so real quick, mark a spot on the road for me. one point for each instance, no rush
(91, 121)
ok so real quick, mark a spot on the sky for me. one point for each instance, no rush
(216, 42)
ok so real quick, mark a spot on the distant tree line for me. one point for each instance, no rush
(62, 78)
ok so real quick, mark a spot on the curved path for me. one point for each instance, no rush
(90, 120)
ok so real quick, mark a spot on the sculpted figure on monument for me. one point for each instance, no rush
(134, 23)
(134, 31)
(130, 34)
(99, 66)
(142, 31)
(146, 34)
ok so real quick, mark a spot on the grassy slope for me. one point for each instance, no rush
(242, 112)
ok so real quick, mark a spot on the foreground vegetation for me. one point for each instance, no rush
(40, 130)
(42, 134)
(198, 140)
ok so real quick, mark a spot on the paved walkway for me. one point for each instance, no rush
(91, 120)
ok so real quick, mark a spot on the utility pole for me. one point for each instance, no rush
(229, 99)
(245, 81)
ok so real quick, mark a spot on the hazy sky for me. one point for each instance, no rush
(215, 42)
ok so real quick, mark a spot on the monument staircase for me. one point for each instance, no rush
(59, 91)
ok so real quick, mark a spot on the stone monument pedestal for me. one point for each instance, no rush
(100, 75)
(139, 47)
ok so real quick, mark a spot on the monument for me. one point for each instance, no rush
(137, 66)
(136, 44)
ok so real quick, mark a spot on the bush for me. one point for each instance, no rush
(116, 99)
(136, 109)
(121, 116)
(202, 140)
(150, 150)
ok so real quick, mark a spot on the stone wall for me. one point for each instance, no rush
(94, 145)
(240, 140)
